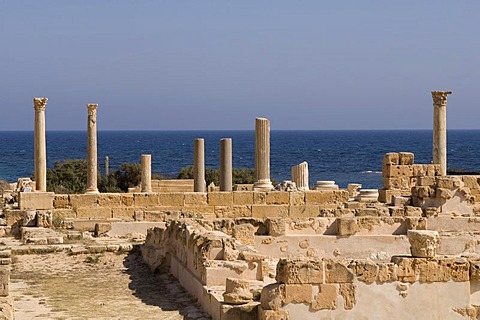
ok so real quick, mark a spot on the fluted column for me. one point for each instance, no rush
(40, 147)
(300, 176)
(262, 155)
(199, 165)
(226, 164)
(146, 173)
(440, 129)
(92, 149)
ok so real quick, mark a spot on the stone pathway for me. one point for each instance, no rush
(96, 286)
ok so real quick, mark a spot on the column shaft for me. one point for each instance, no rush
(40, 147)
(107, 166)
(199, 165)
(226, 164)
(262, 155)
(439, 151)
(146, 173)
(92, 170)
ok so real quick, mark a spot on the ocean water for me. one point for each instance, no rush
(342, 156)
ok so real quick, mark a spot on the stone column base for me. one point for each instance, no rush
(263, 185)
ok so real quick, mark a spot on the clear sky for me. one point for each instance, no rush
(163, 65)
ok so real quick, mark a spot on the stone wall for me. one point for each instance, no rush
(6, 301)
(157, 206)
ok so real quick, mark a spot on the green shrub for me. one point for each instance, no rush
(239, 175)
(69, 176)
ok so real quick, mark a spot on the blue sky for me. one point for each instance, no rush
(165, 65)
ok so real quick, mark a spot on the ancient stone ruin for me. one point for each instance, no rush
(409, 250)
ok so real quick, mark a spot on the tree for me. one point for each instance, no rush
(69, 176)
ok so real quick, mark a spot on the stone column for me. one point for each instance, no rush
(92, 149)
(226, 164)
(146, 173)
(107, 166)
(199, 165)
(39, 105)
(440, 129)
(262, 155)
(300, 176)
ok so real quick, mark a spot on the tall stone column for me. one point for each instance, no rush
(440, 129)
(262, 155)
(300, 176)
(226, 164)
(107, 166)
(146, 173)
(199, 165)
(92, 149)
(39, 105)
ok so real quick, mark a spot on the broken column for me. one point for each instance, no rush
(423, 243)
(92, 148)
(262, 155)
(226, 164)
(107, 165)
(237, 291)
(199, 165)
(300, 176)
(39, 105)
(146, 173)
(440, 129)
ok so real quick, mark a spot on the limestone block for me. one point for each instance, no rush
(471, 182)
(145, 200)
(300, 271)
(337, 271)
(30, 218)
(297, 198)
(385, 196)
(243, 197)
(127, 199)
(347, 291)
(298, 293)
(423, 243)
(44, 219)
(412, 211)
(347, 226)
(391, 170)
(367, 212)
(245, 233)
(280, 314)
(7, 309)
(61, 201)
(61, 214)
(403, 182)
(305, 211)
(123, 213)
(94, 213)
(365, 270)
(405, 269)
(154, 216)
(109, 199)
(425, 192)
(237, 291)
(397, 211)
(102, 228)
(415, 223)
(324, 197)
(220, 198)
(475, 270)
(276, 226)
(450, 182)
(386, 273)
(242, 211)
(200, 212)
(196, 199)
(264, 211)
(278, 197)
(242, 187)
(326, 297)
(399, 201)
(171, 199)
(444, 193)
(391, 158)
(36, 200)
(4, 279)
(259, 197)
(273, 296)
(83, 200)
(426, 181)
(406, 158)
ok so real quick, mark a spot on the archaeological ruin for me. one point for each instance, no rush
(407, 251)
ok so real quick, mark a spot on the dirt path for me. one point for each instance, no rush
(103, 286)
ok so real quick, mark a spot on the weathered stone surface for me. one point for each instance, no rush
(347, 226)
(347, 291)
(29, 218)
(386, 273)
(423, 243)
(337, 271)
(44, 219)
(266, 211)
(273, 314)
(406, 158)
(326, 297)
(391, 158)
(273, 296)
(102, 228)
(277, 197)
(60, 201)
(365, 270)
(300, 271)
(276, 226)
(237, 291)
(298, 293)
(243, 197)
(245, 233)
(195, 199)
(220, 198)
(145, 199)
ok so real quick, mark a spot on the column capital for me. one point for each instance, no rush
(440, 98)
(92, 109)
(39, 104)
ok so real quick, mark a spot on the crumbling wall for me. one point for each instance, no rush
(6, 301)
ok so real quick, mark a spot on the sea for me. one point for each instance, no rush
(344, 156)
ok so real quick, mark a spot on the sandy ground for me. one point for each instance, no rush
(96, 286)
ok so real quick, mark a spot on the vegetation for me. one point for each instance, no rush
(4, 185)
(239, 175)
(69, 176)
